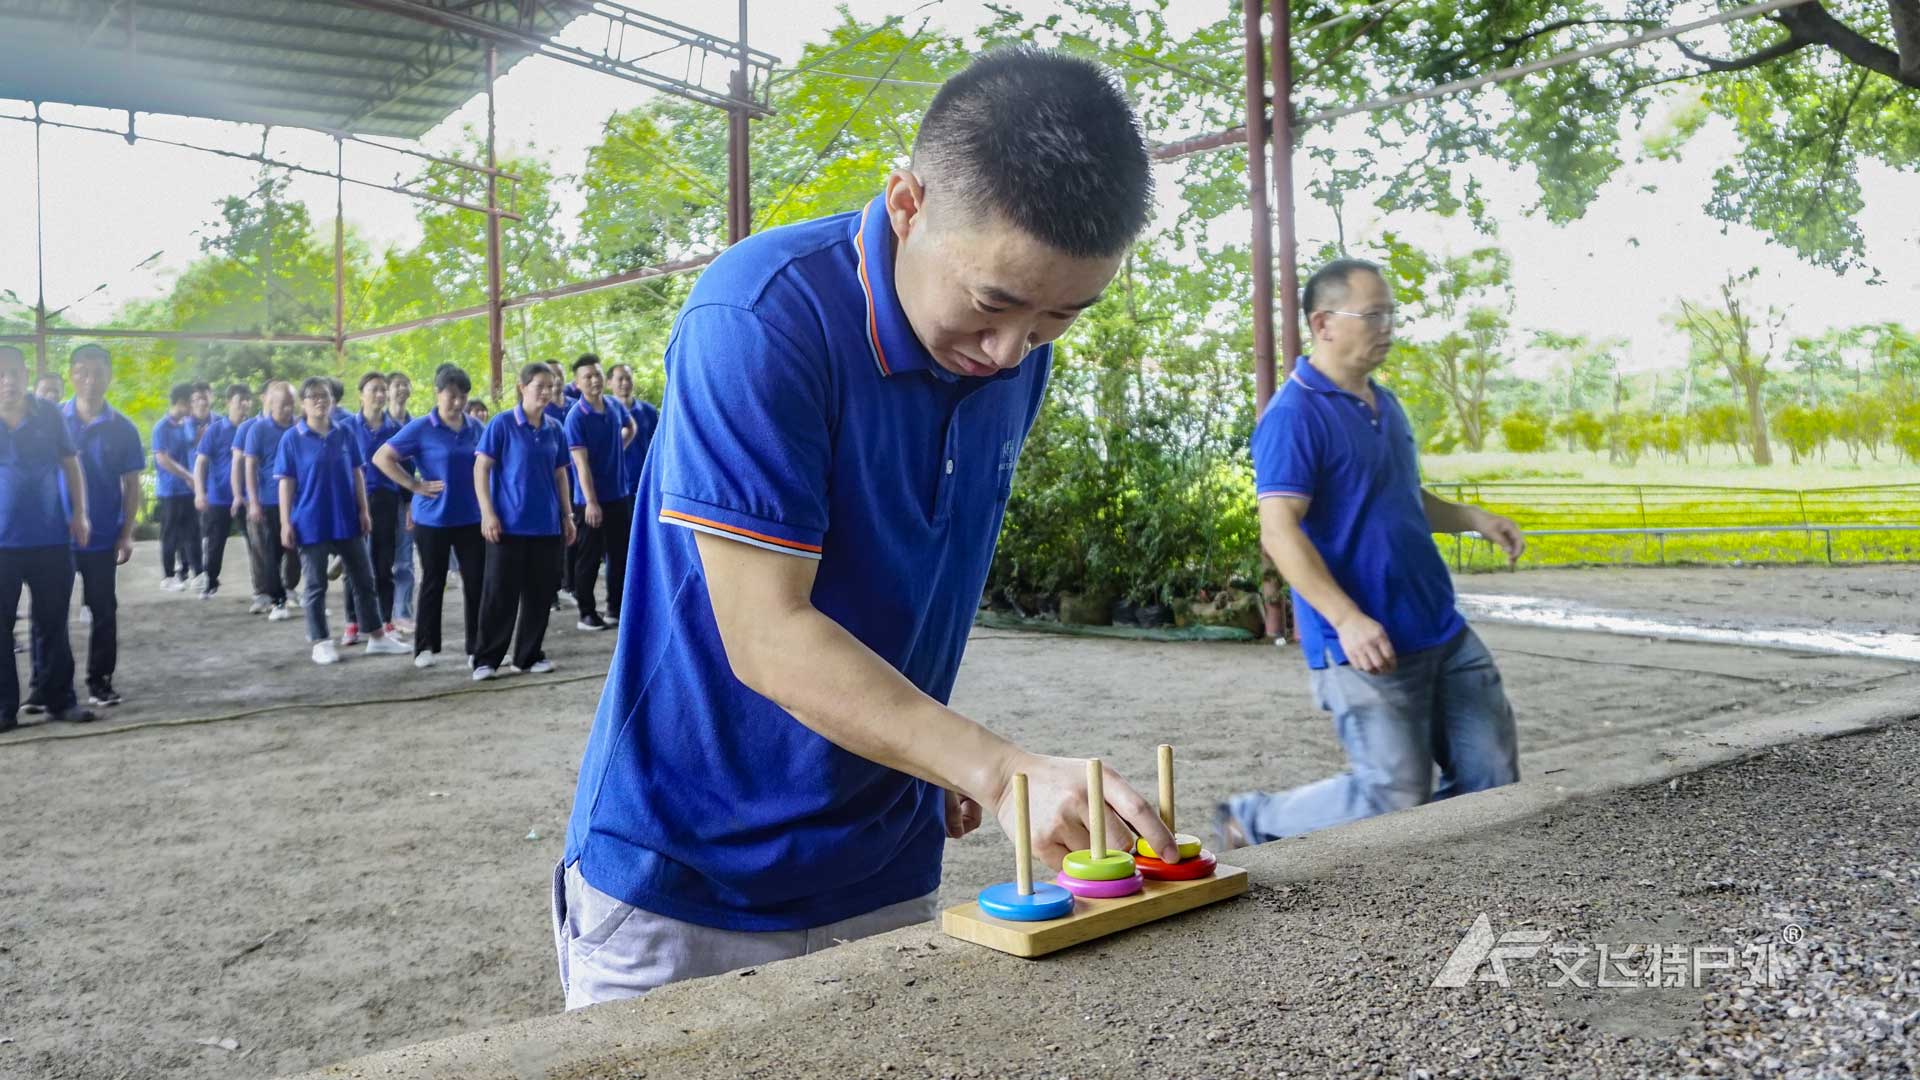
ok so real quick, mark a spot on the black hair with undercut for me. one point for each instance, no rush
(533, 371)
(181, 394)
(585, 359)
(369, 377)
(1328, 284)
(1047, 141)
(450, 377)
(91, 352)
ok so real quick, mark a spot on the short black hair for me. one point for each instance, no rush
(476, 403)
(1046, 140)
(1331, 280)
(369, 377)
(235, 390)
(318, 382)
(399, 376)
(584, 360)
(90, 352)
(450, 377)
(334, 386)
(181, 394)
(535, 370)
(203, 388)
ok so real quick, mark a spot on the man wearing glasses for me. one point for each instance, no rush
(1344, 518)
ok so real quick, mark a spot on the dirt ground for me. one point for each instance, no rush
(369, 866)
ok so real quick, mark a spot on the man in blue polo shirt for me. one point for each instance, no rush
(37, 531)
(261, 602)
(371, 427)
(213, 494)
(597, 435)
(276, 566)
(111, 460)
(323, 496)
(1346, 521)
(773, 765)
(173, 488)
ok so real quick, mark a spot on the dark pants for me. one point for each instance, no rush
(608, 542)
(383, 507)
(179, 536)
(47, 573)
(97, 571)
(216, 525)
(436, 546)
(516, 599)
(276, 569)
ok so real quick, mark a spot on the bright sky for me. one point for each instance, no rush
(110, 206)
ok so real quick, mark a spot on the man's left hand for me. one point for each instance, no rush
(963, 815)
(1503, 532)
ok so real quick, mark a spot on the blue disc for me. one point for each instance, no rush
(1003, 901)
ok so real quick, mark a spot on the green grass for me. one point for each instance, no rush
(1719, 469)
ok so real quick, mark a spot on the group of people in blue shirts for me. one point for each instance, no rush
(526, 508)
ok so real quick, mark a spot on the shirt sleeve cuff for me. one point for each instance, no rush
(743, 528)
(1284, 491)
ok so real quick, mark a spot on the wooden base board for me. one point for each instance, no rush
(1092, 918)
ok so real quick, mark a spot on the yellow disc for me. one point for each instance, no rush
(1112, 866)
(1189, 846)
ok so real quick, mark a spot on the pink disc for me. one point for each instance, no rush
(1100, 890)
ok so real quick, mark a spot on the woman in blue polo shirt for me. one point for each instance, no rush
(520, 480)
(323, 496)
(371, 427)
(446, 515)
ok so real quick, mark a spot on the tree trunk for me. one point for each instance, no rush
(1757, 425)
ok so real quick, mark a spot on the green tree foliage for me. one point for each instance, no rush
(1740, 343)
(1524, 432)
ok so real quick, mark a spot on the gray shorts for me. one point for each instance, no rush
(609, 949)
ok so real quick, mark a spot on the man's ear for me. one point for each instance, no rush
(906, 201)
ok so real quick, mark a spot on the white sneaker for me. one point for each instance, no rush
(168, 584)
(260, 606)
(540, 667)
(325, 653)
(425, 659)
(279, 613)
(482, 673)
(293, 600)
(199, 583)
(351, 636)
(386, 646)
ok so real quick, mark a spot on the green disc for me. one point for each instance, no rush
(1112, 866)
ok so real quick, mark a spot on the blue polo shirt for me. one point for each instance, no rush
(1359, 467)
(599, 434)
(803, 417)
(524, 458)
(109, 448)
(240, 437)
(321, 466)
(217, 447)
(438, 452)
(646, 419)
(31, 512)
(370, 439)
(175, 439)
(263, 445)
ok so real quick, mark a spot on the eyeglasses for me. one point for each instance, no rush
(1375, 320)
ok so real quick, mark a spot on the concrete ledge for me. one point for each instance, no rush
(622, 1039)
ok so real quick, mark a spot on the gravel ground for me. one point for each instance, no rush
(368, 868)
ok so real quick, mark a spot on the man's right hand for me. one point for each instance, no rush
(1367, 646)
(491, 529)
(1057, 806)
(255, 513)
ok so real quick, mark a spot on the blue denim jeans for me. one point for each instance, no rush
(1441, 711)
(358, 565)
(403, 580)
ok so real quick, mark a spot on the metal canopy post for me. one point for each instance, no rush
(496, 321)
(739, 179)
(1257, 202)
(39, 257)
(339, 255)
(1283, 192)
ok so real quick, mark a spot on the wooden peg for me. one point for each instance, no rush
(1166, 785)
(1022, 837)
(1096, 810)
